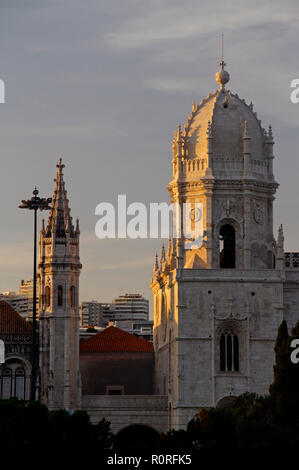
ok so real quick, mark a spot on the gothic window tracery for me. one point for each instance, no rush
(20, 383)
(229, 351)
(13, 381)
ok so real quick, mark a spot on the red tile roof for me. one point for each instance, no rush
(11, 322)
(113, 339)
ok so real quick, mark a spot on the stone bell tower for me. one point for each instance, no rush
(218, 305)
(59, 271)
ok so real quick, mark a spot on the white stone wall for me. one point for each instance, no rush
(125, 410)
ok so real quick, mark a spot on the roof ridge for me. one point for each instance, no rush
(115, 339)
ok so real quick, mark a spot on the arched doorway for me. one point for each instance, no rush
(226, 402)
(136, 436)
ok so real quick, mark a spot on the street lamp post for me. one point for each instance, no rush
(34, 204)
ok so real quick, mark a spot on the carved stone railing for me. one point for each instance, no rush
(291, 260)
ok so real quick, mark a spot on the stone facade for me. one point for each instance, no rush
(126, 410)
(218, 306)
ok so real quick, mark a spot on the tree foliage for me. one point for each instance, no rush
(25, 426)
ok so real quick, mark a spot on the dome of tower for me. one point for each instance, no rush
(226, 119)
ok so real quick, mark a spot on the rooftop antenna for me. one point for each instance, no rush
(222, 76)
(222, 48)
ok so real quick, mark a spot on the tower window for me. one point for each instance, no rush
(72, 296)
(229, 352)
(59, 295)
(47, 296)
(227, 237)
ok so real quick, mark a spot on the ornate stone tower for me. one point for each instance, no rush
(217, 307)
(59, 271)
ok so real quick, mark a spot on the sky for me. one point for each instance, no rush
(104, 84)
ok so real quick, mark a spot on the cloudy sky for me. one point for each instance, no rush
(104, 84)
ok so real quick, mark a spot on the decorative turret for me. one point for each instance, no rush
(156, 264)
(269, 143)
(169, 249)
(60, 220)
(209, 135)
(280, 263)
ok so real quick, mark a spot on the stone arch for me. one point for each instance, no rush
(226, 402)
(233, 324)
(136, 436)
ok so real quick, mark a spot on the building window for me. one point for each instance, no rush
(13, 381)
(114, 390)
(72, 296)
(47, 296)
(229, 352)
(227, 237)
(20, 383)
(6, 385)
(59, 295)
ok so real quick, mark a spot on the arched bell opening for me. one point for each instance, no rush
(227, 238)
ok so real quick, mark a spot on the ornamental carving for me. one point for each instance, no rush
(258, 212)
(229, 207)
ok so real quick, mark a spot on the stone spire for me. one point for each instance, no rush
(156, 263)
(59, 271)
(169, 249)
(163, 256)
(60, 220)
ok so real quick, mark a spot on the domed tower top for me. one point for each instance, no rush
(223, 137)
